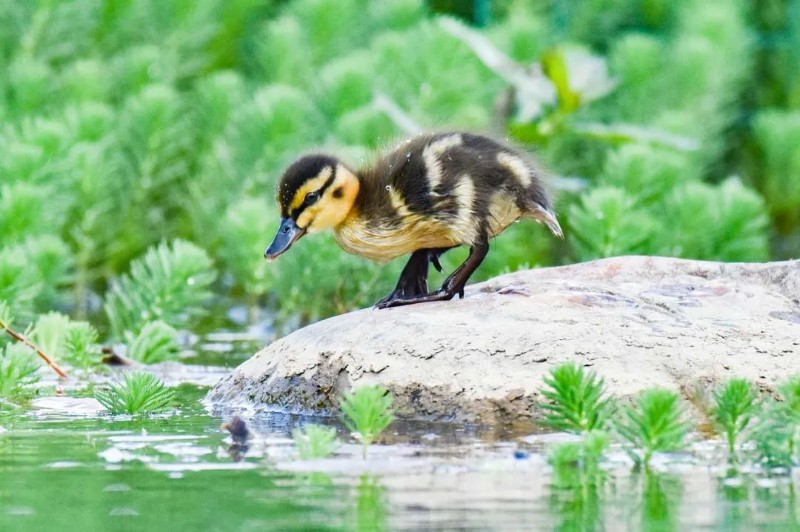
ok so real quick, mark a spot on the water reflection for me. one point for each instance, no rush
(661, 500)
(575, 494)
(371, 504)
(240, 435)
(114, 474)
(763, 498)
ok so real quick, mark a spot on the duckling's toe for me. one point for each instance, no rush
(407, 288)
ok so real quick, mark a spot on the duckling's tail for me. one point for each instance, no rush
(547, 217)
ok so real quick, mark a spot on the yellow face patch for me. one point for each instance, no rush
(335, 203)
(313, 184)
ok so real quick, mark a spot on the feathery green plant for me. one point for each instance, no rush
(367, 411)
(578, 399)
(139, 393)
(50, 331)
(585, 453)
(156, 342)
(242, 242)
(777, 133)
(772, 437)
(80, 345)
(777, 436)
(20, 285)
(17, 372)
(735, 404)
(315, 441)
(169, 283)
(654, 424)
(607, 222)
(6, 323)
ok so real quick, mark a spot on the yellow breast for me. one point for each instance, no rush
(383, 242)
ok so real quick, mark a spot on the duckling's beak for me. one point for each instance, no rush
(287, 233)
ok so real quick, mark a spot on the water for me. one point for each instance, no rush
(72, 469)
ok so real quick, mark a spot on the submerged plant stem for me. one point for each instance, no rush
(22, 339)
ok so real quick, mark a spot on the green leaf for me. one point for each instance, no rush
(315, 441)
(367, 411)
(169, 283)
(656, 423)
(80, 345)
(156, 342)
(608, 223)
(139, 393)
(18, 369)
(735, 403)
(578, 400)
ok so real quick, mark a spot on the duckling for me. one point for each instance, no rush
(430, 194)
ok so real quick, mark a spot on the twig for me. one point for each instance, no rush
(20, 338)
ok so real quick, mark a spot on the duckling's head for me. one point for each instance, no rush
(316, 192)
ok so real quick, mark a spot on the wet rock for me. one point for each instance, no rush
(637, 321)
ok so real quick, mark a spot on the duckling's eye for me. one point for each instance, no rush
(311, 198)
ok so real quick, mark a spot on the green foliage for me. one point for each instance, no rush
(17, 372)
(772, 439)
(585, 453)
(578, 399)
(778, 136)
(727, 222)
(139, 393)
(20, 285)
(244, 235)
(81, 348)
(649, 172)
(315, 441)
(735, 403)
(156, 342)
(654, 424)
(607, 223)
(169, 283)
(693, 220)
(127, 124)
(777, 435)
(50, 331)
(367, 411)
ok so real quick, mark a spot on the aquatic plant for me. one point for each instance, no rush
(735, 404)
(139, 393)
(17, 372)
(585, 453)
(777, 434)
(577, 480)
(315, 441)
(74, 342)
(6, 320)
(49, 332)
(772, 437)
(655, 423)
(170, 283)
(80, 345)
(156, 342)
(367, 411)
(579, 402)
(372, 505)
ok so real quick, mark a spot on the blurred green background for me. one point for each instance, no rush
(141, 140)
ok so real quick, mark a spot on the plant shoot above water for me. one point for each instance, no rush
(367, 411)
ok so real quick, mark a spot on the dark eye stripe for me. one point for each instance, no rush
(298, 211)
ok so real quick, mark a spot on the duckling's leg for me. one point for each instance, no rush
(413, 280)
(453, 285)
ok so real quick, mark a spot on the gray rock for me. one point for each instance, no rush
(637, 321)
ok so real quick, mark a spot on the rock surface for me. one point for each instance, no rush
(637, 321)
